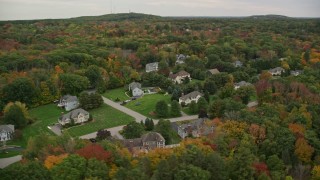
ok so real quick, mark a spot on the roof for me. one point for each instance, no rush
(238, 63)
(152, 66)
(69, 98)
(132, 142)
(73, 114)
(214, 71)
(181, 57)
(181, 73)
(7, 128)
(134, 85)
(296, 72)
(252, 104)
(152, 136)
(242, 83)
(276, 69)
(191, 95)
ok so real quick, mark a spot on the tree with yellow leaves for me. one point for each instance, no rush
(54, 160)
(303, 150)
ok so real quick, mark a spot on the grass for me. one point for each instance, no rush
(113, 94)
(104, 117)
(147, 104)
(9, 154)
(187, 111)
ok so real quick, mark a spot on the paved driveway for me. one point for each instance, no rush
(4, 162)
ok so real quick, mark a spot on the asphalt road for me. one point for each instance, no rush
(4, 162)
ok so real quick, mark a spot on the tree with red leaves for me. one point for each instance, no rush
(260, 168)
(95, 151)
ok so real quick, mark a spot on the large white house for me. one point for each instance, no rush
(6, 132)
(193, 96)
(179, 77)
(276, 71)
(152, 67)
(69, 102)
(77, 116)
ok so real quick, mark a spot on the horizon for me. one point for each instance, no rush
(65, 9)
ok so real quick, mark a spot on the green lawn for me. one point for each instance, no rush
(104, 117)
(147, 103)
(7, 154)
(116, 93)
(187, 111)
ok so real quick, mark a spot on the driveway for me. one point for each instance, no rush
(4, 162)
(114, 132)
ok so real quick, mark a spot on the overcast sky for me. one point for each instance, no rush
(41, 9)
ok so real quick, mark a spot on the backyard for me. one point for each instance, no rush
(146, 104)
(113, 94)
(103, 117)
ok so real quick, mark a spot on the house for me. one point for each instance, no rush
(194, 128)
(134, 85)
(146, 142)
(179, 77)
(296, 72)
(6, 132)
(238, 63)
(213, 71)
(252, 104)
(152, 67)
(137, 92)
(241, 84)
(193, 96)
(276, 71)
(69, 102)
(77, 116)
(181, 58)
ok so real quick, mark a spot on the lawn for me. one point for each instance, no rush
(147, 103)
(104, 117)
(113, 94)
(187, 111)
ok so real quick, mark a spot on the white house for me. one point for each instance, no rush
(137, 92)
(296, 72)
(241, 84)
(193, 96)
(6, 132)
(194, 128)
(69, 102)
(179, 77)
(237, 63)
(134, 85)
(152, 67)
(276, 71)
(78, 116)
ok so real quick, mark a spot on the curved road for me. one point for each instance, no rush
(138, 117)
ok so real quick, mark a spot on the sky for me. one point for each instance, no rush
(43, 9)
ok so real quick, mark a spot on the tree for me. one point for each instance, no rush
(276, 167)
(175, 95)
(96, 170)
(21, 89)
(162, 109)
(303, 150)
(15, 116)
(202, 104)
(95, 151)
(90, 101)
(193, 108)
(244, 93)
(72, 83)
(164, 128)
(175, 109)
(210, 86)
(93, 74)
(72, 167)
(53, 160)
(133, 130)
(103, 134)
(149, 124)
(190, 172)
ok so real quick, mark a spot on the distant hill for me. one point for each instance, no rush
(269, 16)
(117, 17)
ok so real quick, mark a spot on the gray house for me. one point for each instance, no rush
(296, 72)
(213, 71)
(276, 71)
(241, 84)
(69, 102)
(181, 58)
(77, 116)
(194, 128)
(6, 132)
(137, 92)
(238, 63)
(147, 142)
(193, 96)
(152, 67)
(134, 85)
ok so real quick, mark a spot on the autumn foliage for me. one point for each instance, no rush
(95, 151)
(54, 160)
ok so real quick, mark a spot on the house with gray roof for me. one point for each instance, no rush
(77, 116)
(241, 84)
(145, 143)
(69, 102)
(213, 71)
(193, 96)
(194, 128)
(181, 58)
(152, 67)
(179, 77)
(134, 85)
(238, 63)
(276, 71)
(6, 132)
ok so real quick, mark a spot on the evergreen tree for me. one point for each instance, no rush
(193, 108)
(15, 116)
(175, 109)
(162, 109)
(202, 104)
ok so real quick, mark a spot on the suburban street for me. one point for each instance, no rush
(4, 162)
(138, 117)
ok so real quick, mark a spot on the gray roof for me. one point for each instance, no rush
(7, 128)
(276, 69)
(134, 85)
(181, 57)
(296, 72)
(242, 83)
(193, 94)
(238, 63)
(180, 73)
(152, 136)
(73, 114)
(152, 66)
(69, 98)
(132, 142)
(214, 71)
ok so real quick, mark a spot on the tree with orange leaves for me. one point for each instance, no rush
(303, 150)
(95, 151)
(54, 160)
